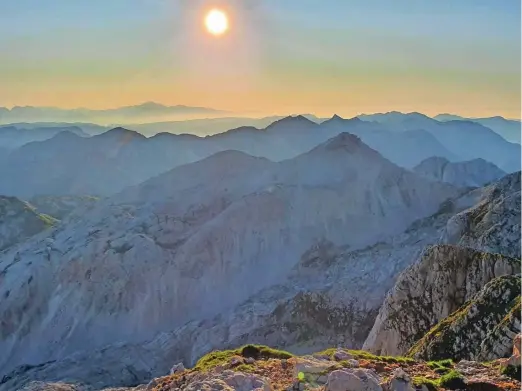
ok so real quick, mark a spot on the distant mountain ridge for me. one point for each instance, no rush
(510, 129)
(142, 111)
(108, 162)
(466, 139)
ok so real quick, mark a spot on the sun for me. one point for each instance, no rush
(216, 22)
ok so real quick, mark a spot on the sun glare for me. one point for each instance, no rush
(216, 22)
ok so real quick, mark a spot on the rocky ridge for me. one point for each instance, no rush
(493, 223)
(481, 329)
(472, 173)
(429, 291)
(19, 220)
(260, 368)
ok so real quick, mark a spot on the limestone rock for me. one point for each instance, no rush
(341, 355)
(462, 334)
(311, 369)
(476, 172)
(429, 291)
(353, 380)
(493, 224)
(177, 368)
(400, 381)
(228, 381)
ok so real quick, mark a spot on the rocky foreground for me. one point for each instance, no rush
(255, 367)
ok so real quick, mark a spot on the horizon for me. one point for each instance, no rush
(296, 57)
(232, 115)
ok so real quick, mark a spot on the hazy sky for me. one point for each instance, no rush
(280, 56)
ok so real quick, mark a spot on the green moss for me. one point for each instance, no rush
(215, 358)
(244, 368)
(448, 363)
(364, 355)
(453, 380)
(220, 357)
(430, 384)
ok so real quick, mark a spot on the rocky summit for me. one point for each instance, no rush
(255, 367)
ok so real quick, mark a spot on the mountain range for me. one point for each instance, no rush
(234, 249)
(124, 257)
(142, 112)
(107, 163)
(507, 128)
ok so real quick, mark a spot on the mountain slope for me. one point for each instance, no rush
(19, 221)
(13, 137)
(429, 291)
(196, 241)
(464, 334)
(473, 173)
(493, 223)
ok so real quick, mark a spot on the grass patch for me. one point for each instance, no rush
(363, 355)
(220, 357)
(441, 367)
(431, 385)
(453, 380)
(244, 368)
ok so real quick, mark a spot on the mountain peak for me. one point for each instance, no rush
(121, 132)
(337, 119)
(299, 120)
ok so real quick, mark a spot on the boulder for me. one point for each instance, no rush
(400, 381)
(311, 369)
(179, 367)
(230, 381)
(353, 380)
(341, 355)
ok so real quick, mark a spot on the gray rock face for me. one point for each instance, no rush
(493, 224)
(429, 291)
(353, 380)
(472, 173)
(19, 221)
(477, 329)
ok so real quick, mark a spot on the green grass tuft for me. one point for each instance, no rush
(431, 385)
(453, 380)
(364, 355)
(442, 364)
(220, 357)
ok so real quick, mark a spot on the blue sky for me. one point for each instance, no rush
(280, 55)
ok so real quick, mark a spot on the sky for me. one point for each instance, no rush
(278, 57)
